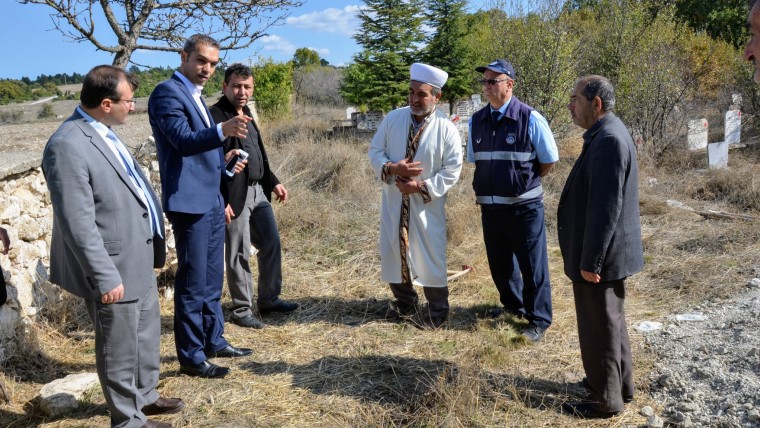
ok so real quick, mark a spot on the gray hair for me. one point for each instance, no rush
(193, 41)
(435, 91)
(599, 86)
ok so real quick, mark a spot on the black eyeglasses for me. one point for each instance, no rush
(133, 101)
(491, 82)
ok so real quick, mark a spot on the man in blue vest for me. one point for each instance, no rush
(513, 147)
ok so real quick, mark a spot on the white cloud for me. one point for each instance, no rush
(277, 43)
(330, 20)
(321, 51)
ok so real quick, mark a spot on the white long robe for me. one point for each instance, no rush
(440, 151)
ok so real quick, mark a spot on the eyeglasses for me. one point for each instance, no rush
(133, 101)
(491, 82)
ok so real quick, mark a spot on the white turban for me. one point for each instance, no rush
(428, 74)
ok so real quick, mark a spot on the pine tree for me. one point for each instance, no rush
(390, 33)
(447, 47)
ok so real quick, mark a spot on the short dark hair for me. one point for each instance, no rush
(102, 82)
(192, 42)
(239, 69)
(599, 86)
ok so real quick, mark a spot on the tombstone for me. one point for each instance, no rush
(697, 134)
(733, 126)
(463, 109)
(736, 101)
(445, 109)
(356, 117)
(350, 112)
(717, 155)
(373, 119)
(476, 100)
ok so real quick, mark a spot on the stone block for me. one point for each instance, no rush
(63, 395)
(733, 127)
(717, 155)
(697, 134)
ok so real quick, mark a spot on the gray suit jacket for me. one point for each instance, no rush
(102, 235)
(598, 214)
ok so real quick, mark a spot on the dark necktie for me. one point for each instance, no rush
(495, 116)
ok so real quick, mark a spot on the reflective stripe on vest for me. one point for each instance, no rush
(530, 194)
(506, 156)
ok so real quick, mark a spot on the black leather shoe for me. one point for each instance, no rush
(626, 398)
(497, 312)
(586, 410)
(164, 406)
(431, 323)
(248, 321)
(155, 424)
(280, 306)
(230, 352)
(204, 369)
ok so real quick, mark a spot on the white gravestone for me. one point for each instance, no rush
(733, 126)
(475, 98)
(717, 155)
(463, 109)
(374, 118)
(349, 112)
(697, 134)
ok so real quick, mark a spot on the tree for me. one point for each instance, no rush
(274, 85)
(390, 32)
(447, 48)
(305, 57)
(163, 25)
(724, 20)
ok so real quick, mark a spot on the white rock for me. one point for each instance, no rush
(12, 211)
(646, 411)
(753, 415)
(62, 395)
(9, 319)
(655, 421)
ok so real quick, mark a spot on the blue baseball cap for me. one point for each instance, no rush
(501, 66)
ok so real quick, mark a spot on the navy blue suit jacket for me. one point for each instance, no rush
(190, 153)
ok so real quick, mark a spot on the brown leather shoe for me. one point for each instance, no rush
(156, 424)
(164, 406)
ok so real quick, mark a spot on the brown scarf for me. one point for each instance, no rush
(411, 151)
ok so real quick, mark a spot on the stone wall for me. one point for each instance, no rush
(26, 214)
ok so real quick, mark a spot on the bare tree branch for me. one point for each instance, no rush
(163, 25)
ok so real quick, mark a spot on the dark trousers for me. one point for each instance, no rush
(437, 297)
(127, 345)
(603, 336)
(518, 233)
(254, 225)
(198, 317)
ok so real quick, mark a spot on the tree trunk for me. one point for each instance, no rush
(121, 59)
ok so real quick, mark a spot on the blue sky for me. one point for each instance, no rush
(32, 47)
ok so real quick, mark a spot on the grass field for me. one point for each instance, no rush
(338, 363)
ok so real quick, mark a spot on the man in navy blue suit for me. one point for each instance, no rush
(192, 164)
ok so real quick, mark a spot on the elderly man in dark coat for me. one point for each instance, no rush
(600, 238)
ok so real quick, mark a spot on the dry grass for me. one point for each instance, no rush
(338, 363)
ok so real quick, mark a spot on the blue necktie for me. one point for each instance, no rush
(137, 180)
(495, 115)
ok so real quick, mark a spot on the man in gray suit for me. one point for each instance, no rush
(108, 235)
(600, 238)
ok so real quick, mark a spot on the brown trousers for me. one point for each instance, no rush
(437, 297)
(605, 347)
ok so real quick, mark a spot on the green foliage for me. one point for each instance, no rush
(305, 57)
(390, 32)
(274, 86)
(446, 48)
(13, 91)
(722, 20)
(46, 111)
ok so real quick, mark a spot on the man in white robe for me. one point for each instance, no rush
(417, 155)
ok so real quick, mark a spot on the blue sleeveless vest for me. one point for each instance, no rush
(506, 168)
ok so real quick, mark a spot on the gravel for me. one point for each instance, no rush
(707, 373)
